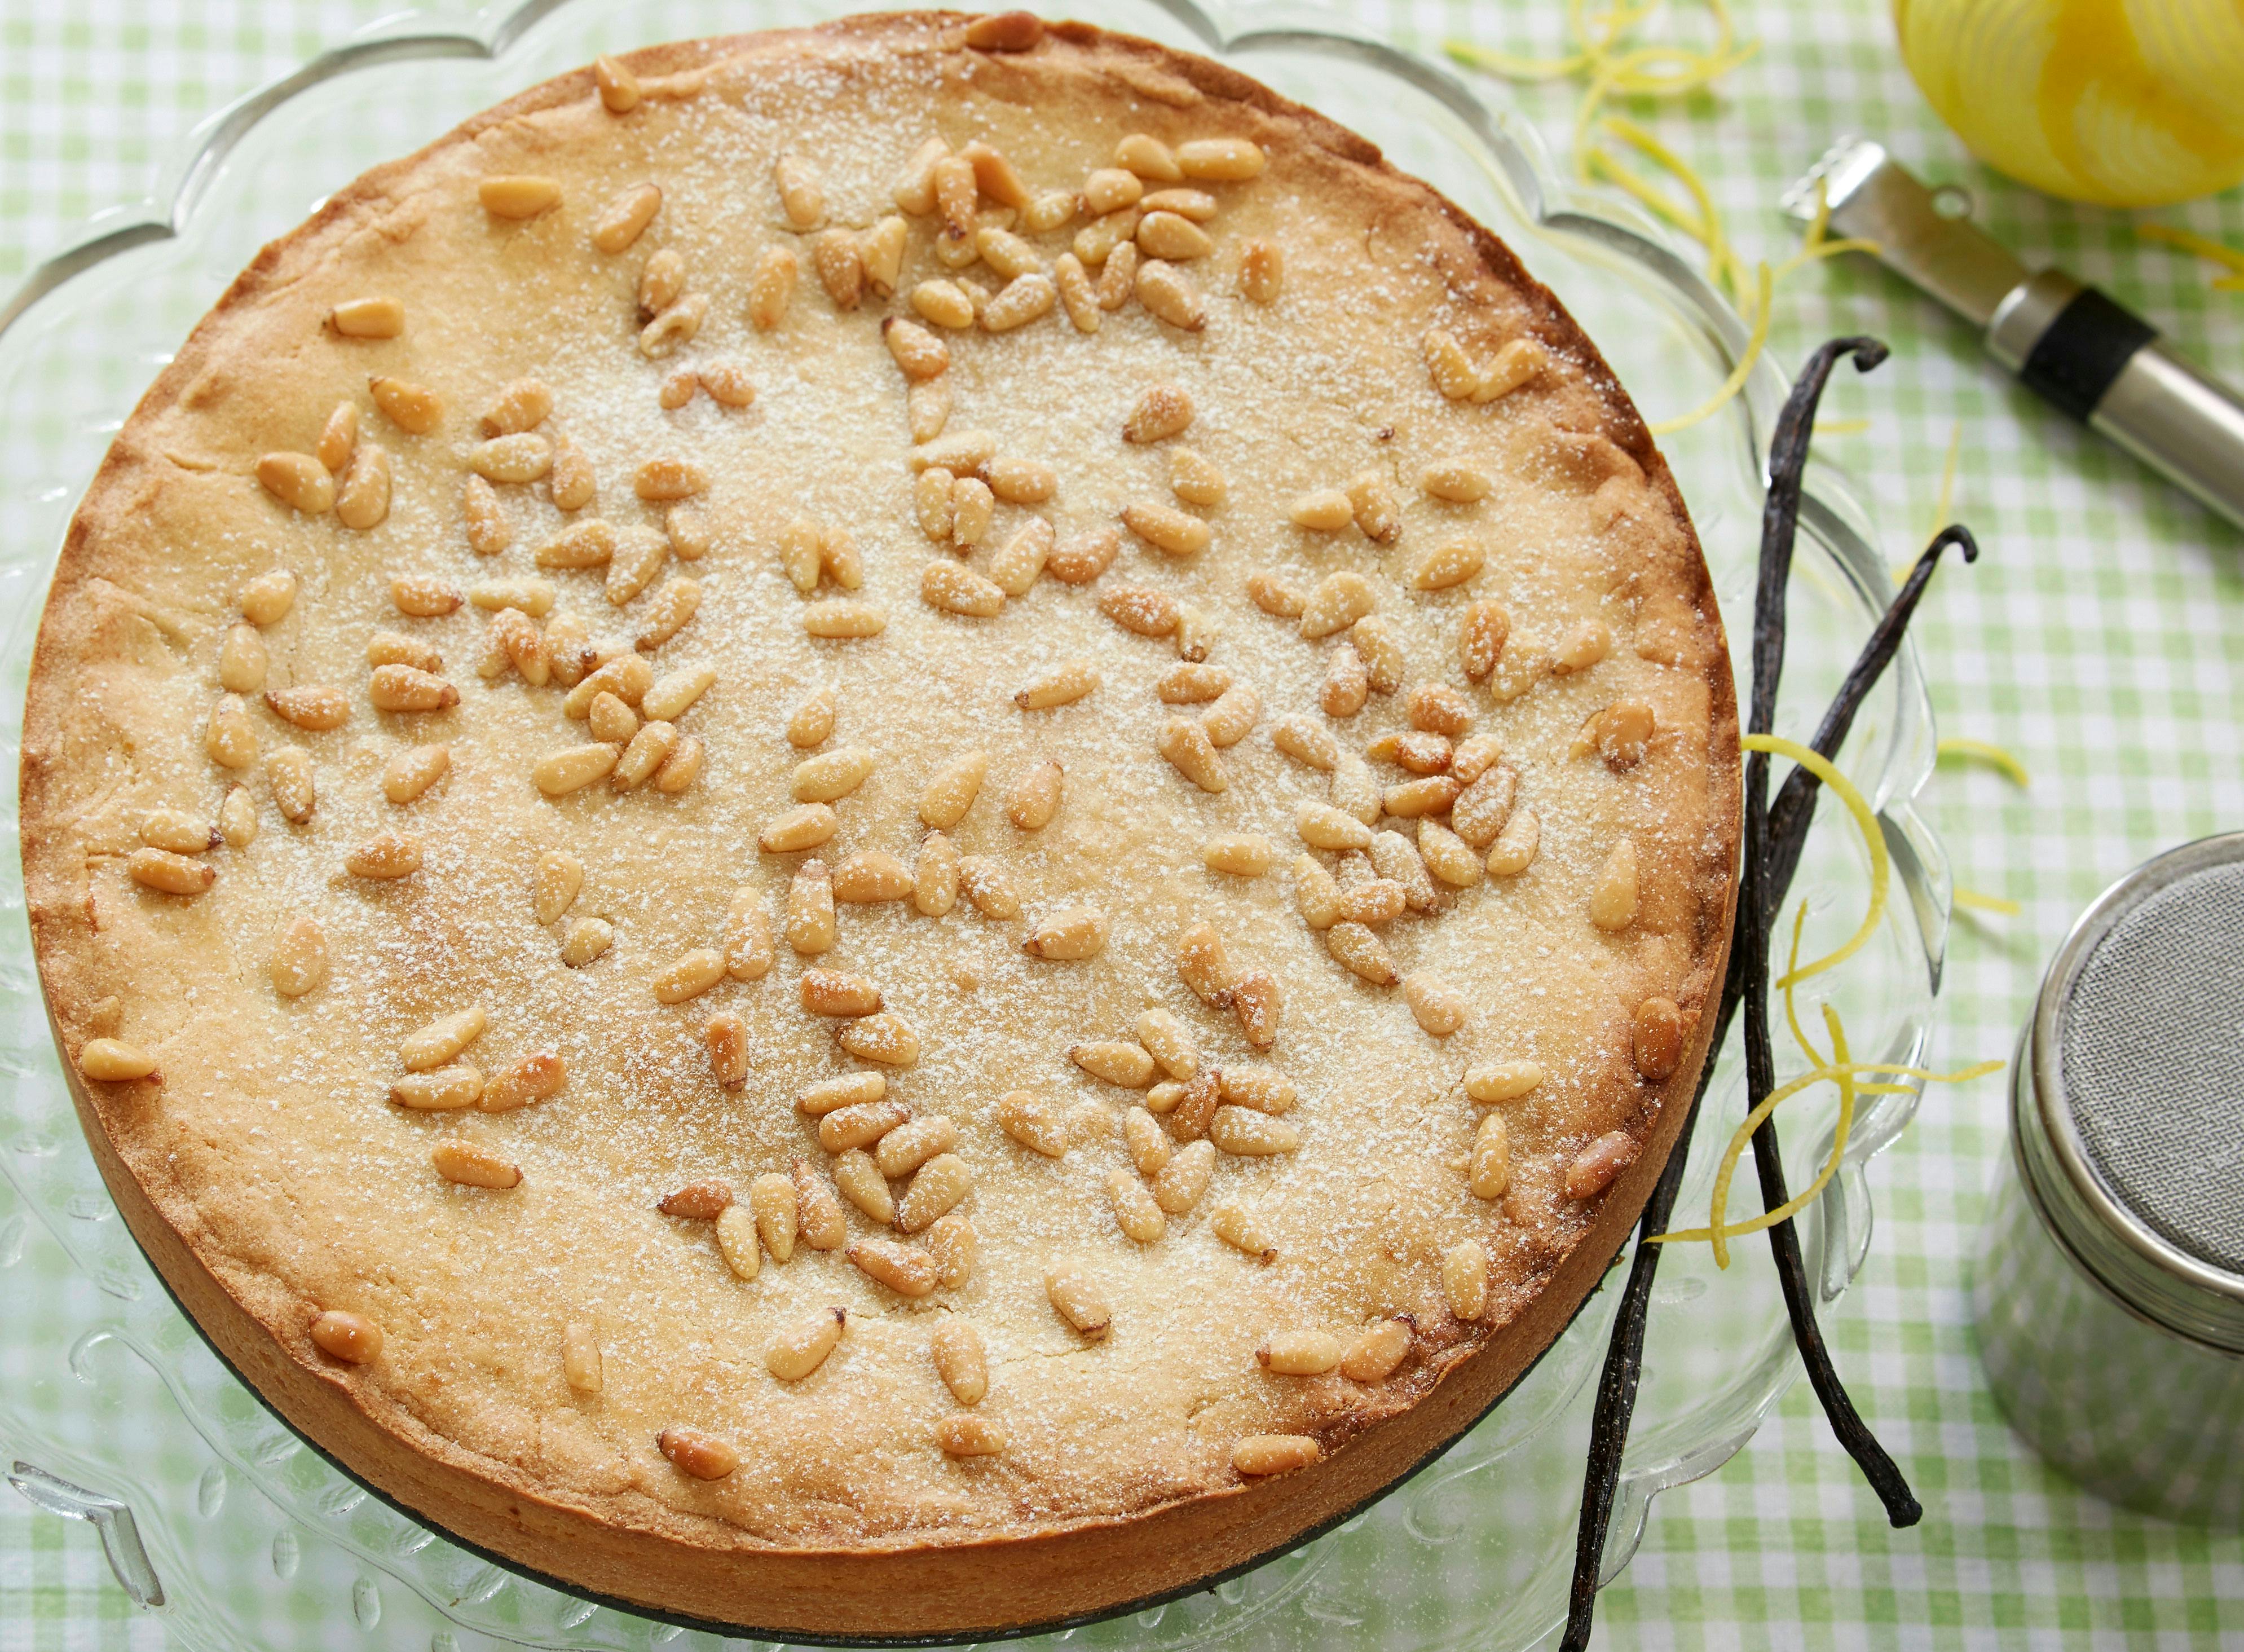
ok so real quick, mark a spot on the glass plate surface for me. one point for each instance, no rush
(245, 1539)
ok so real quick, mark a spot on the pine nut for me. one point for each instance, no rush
(179, 833)
(993, 174)
(1006, 252)
(1322, 826)
(1299, 1353)
(1583, 647)
(985, 885)
(516, 459)
(940, 1184)
(1077, 1298)
(699, 1200)
(771, 1198)
(884, 1037)
(448, 1089)
(573, 767)
(1394, 857)
(1140, 609)
(1376, 1351)
(1149, 158)
(518, 197)
(1084, 558)
(919, 353)
(771, 289)
(1162, 411)
(1337, 603)
(1180, 533)
(1622, 732)
(588, 937)
(580, 1357)
(241, 660)
(802, 1347)
(1519, 361)
(362, 502)
(1068, 935)
(689, 976)
(1274, 596)
(970, 1436)
(413, 771)
(524, 1082)
(1077, 294)
(935, 876)
(962, 453)
(443, 1039)
(1377, 645)
(299, 964)
(1591, 1170)
(1023, 300)
(668, 479)
(1192, 754)
(1439, 1008)
(972, 506)
(265, 599)
(469, 1165)
(1054, 209)
(1464, 1279)
(811, 723)
(844, 619)
(1232, 716)
(1656, 1039)
(1016, 565)
(831, 775)
(1354, 790)
(1257, 1001)
(1035, 797)
(1135, 1213)
(1315, 895)
(1195, 1105)
(338, 438)
(1447, 856)
(624, 219)
(905, 1147)
(1230, 159)
(351, 1338)
(1181, 1183)
(671, 606)
(809, 926)
(571, 480)
(906, 1271)
(959, 1360)
(869, 875)
(1614, 901)
(1117, 278)
(1147, 1144)
(1019, 480)
(531, 597)
(1264, 1089)
(1327, 511)
(1104, 239)
(746, 935)
(701, 1456)
(663, 281)
(1457, 481)
(1451, 368)
(952, 1244)
(952, 588)
(840, 266)
(1362, 954)
(639, 554)
(1262, 272)
(1447, 565)
(1380, 901)
(555, 884)
(800, 196)
(1127, 1065)
(863, 1186)
(411, 408)
(405, 688)
(1489, 1171)
(1196, 205)
(619, 92)
(1247, 1133)
(1239, 1230)
(1482, 811)
(368, 318)
(819, 1221)
(114, 1061)
(737, 1243)
(1171, 235)
(298, 481)
(882, 252)
(1169, 295)
(1110, 188)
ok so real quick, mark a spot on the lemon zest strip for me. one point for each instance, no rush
(1825, 770)
(2203, 247)
(1972, 900)
(1738, 374)
(1985, 751)
(1840, 427)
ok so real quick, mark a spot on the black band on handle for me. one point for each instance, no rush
(2074, 362)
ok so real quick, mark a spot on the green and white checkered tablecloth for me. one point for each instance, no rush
(2101, 637)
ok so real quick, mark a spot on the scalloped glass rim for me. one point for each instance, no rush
(1685, 1428)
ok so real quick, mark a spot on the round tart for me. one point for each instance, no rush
(893, 829)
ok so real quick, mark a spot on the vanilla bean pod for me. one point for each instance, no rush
(1786, 832)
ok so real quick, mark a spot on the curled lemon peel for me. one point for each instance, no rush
(1840, 427)
(1985, 751)
(1865, 821)
(2213, 252)
(1838, 1068)
(1973, 900)
(1736, 381)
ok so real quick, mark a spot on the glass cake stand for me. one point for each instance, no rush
(239, 1536)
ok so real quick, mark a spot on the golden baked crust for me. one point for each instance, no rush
(270, 1146)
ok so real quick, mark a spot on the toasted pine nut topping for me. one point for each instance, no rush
(350, 1337)
(1299, 1353)
(1262, 272)
(1464, 1279)
(959, 1360)
(818, 1218)
(1068, 935)
(885, 1037)
(1168, 294)
(384, 855)
(703, 1457)
(182, 834)
(1164, 411)
(1035, 797)
(1613, 899)
(1238, 1228)
(588, 937)
(1077, 1298)
(1362, 953)
(1140, 609)
(1656, 1039)
(1135, 1212)
(1263, 1455)
(518, 197)
(338, 438)
(1594, 1168)
(470, 1165)
(114, 1061)
(772, 288)
(580, 1357)
(368, 318)
(522, 1083)
(902, 1270)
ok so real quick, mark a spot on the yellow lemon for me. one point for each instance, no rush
(2123, 103)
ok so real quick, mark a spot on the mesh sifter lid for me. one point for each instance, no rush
(2138, 1069)
(2151, 1042)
